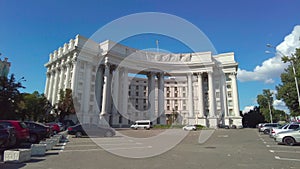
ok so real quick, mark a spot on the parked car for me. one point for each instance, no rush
(54, 126)
(91, 130)
(38, 131)
(189, 128)
(142, 124)
(266, 128)
(21, 130)
(7, 136)
(287, 127)
(67, 123)
(288, 137)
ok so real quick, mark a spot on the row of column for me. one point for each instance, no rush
(59, 77)
(109, 76)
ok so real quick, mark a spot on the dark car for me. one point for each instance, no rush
(21, 130)
(91, 130)
(54, 126)
(38, 131)
(67, 123)
(8, 136)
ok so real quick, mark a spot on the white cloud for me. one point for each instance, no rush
(247, 109)
(273, 67)
(280, 105)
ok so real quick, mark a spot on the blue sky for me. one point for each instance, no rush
(30, 30)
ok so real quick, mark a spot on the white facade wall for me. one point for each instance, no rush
(103, 87)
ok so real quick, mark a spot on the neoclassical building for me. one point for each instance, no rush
(120, 84)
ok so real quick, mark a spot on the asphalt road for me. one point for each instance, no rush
(225, 149)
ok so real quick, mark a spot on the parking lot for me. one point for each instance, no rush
(226, 148)
(280, 151)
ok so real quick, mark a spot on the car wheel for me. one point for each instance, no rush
(108, 134)
(266, 131)
(33, 138)
(289, 141)
(78, 134)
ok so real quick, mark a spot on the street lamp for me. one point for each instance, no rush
(292, 61)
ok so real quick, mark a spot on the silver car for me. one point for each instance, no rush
(289, 138)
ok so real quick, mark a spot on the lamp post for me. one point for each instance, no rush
(292, 62)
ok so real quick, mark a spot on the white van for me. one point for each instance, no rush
(144, 124)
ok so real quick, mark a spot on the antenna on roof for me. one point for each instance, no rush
(157, 46)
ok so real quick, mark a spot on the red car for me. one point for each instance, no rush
(54, 126)
(22, 132)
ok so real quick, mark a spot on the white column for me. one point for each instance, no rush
(61, 78)
(235, 96)
(224, 95)
(115, 97)
(151, 95)
(48, 75)
(190, 95)
(106, 88)
(74, 72)
(99, 86)
(55, 86)
(67, 80)
(211, 96)
(200, 95)
(125, 91)
(50, 91)
(161, 99)
(87, 86)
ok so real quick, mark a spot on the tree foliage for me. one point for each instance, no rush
(65, 106)
(252, 118)
(287, 90)
(10, 97)
(37, 107)
(265, 101)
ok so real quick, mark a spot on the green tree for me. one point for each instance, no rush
(287, 90)
(37, 107)
(65, 105)
(10, 97)
(265, 101)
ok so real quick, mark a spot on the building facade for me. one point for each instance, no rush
(119, 84)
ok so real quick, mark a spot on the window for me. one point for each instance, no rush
(228, 86)
(183, 89)
(294, 126)
(183, 94)
(168, 101)
(136, 87)
(129, 94)
(217, 94)
(168, 94)
(136, 101)
(168, 107)
(229, 94)
(137, 93)
(175, 88)
(176, 107)
(120, 119)
(145, 101)
(184, 107)
(175, 95)
(176, 101)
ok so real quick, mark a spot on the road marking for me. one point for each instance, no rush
(283, 151)
(286, 159)
(225, 136)
(107, 149)
(64, 144)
